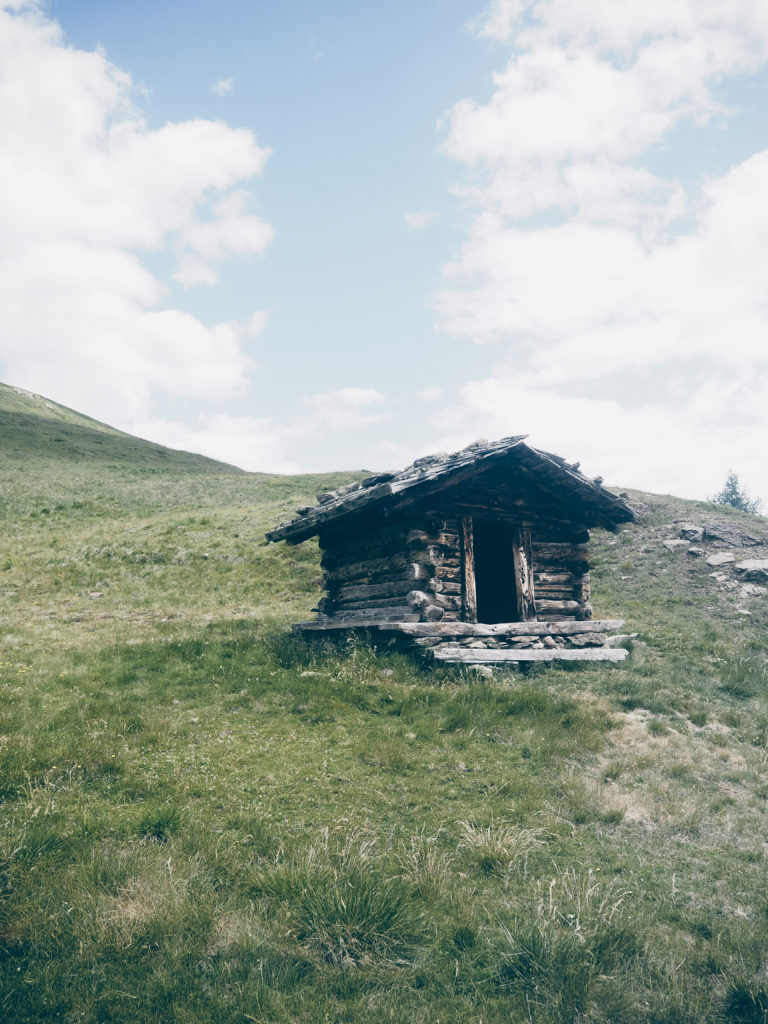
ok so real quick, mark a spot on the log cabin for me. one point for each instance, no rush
(480, 556)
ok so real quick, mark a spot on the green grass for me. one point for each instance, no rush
(204, 820)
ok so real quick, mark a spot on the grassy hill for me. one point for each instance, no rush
(202, 820)
(32, 427)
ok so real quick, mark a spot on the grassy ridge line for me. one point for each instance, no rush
(33, 427)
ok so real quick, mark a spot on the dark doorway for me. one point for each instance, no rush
(495, 577)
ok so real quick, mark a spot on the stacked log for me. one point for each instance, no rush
(386, 571)
(414, 570)
(561, 576)
(438, 548)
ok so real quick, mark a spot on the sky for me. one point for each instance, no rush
(336, 234)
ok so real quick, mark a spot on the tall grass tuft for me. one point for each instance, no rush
(499, 845)
(345, 909)
(555, 952)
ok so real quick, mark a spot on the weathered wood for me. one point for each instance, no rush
(370, 568)
(441, 586)
(358, 605)
(551, 479)
(523, 563)
(418, 571)
(449, 567)
(565, 627)
(578, 569)
(582, 592)
(364, 592)
(398, 540)
(585, 611)
(309, 524)
(558, 606)
(517, 517)
(555, 592)
(366, 535)
(560, 552)
(432, 613)
(551, 578)
(429, 606)
(469, 597)
(421, 539)
(473, 656)
(447, 601)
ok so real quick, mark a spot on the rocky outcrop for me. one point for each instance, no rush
(753, 570)
(732, 536)
(726, 548)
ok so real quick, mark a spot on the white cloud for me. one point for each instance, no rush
(628, 309)
(682, 447)
(419, 219)
(88, 188)
(258, 444)
(258, 321)
(266, 444)
(590, 86)
(620, 25)
(192, 272)
(346, 407)
(223, 86)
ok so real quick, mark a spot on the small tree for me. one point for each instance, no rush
(735, 495)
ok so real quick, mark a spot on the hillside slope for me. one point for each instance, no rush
(201, 819)
(35, 427)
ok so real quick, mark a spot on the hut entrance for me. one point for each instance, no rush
(501, 571)
(495, 584)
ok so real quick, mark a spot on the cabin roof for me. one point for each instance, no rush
(595, 504)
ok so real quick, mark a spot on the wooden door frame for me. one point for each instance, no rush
(525, 598)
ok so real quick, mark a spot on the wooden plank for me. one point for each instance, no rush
(368, 591)
(376, 541)
(339, 607)
(552, 578)
(469, 596)
(472, 656)
(523, 564)
(516, 516)
(558, 606)
(422, 539)
(561, 552)
(367, 568)
(566, 627)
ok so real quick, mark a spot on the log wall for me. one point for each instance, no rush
(408, 571)
(561, 574)
(412, 570)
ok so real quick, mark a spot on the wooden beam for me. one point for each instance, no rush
(370, 591)
(558, 607)
(467, 656)
(566, 627)
(469, 597)
(523, 563)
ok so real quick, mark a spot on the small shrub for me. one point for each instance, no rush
(736, 496)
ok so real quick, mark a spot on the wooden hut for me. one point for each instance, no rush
(479, 556)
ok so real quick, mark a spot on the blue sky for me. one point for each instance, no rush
(312, 235)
